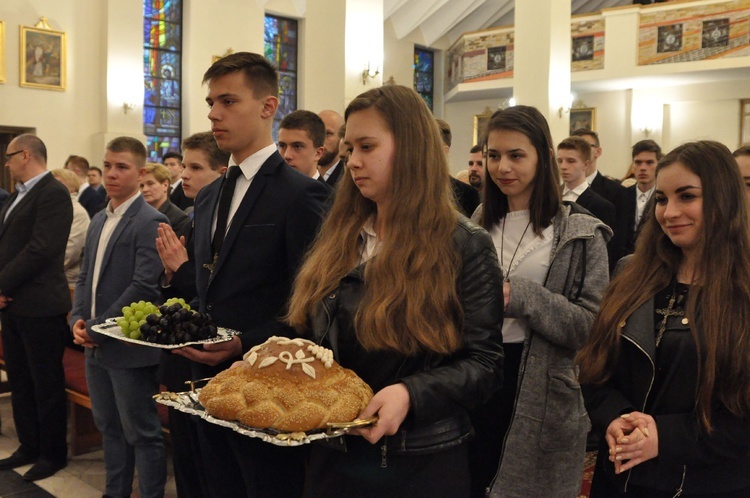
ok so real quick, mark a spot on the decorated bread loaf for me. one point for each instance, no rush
(291, 385)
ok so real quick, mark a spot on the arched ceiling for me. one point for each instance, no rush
(436, 19)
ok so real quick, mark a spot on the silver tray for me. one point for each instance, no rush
(111, 329)
(187, 402)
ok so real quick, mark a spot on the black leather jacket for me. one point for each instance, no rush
(441, 388)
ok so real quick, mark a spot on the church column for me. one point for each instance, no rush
(541, 76)
(123, 53)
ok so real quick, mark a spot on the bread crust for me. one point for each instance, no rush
(291, 385)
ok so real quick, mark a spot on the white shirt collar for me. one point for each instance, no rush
(122, 208)
(578, 190)
(251, 165)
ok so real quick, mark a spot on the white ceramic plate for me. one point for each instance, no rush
(111, 329)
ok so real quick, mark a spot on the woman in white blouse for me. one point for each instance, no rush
(532, 435)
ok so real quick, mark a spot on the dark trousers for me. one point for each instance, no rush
(491, 422)
(240, 466)
(33, 349)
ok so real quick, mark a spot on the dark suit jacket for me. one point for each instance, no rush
(176, 216)
(611, 190)
(3, 195)
(598, 206)
(467, 197)
(128, 273)
(32, 250)
(179, 198)
(605, 211)
(92, 198)
(273, 227)
(336, 174)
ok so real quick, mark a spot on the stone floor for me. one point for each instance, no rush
(84, 477)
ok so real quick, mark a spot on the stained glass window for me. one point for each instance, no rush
(281, 49)
(162, 70)
(424, 74)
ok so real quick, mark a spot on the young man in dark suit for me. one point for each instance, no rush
(120, 266)
(251, 229)
(34, 299)
(204, 163)
(608, 188)
(646, 154)
(573, 155)
(173, 161)
(467, 198)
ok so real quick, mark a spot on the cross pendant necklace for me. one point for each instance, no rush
(210, 266)
(666, 313)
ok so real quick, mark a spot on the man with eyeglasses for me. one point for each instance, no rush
(34, 300)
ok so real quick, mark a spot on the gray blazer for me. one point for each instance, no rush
(545, 444)
(129, 272)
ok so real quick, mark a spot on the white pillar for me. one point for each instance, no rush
(541, 75)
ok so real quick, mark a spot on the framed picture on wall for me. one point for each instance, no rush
(480, 125)
(42, 53)
(2, 51)
(745, 122)
(582, 117)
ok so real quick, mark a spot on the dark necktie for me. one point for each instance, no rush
(225, 200)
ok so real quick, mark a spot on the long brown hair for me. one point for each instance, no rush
(410, 301)
(721, 293)
(545, 196)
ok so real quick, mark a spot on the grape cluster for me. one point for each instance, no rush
(133, 317)
(176, 325)
(171, 323)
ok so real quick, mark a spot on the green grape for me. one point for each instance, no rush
(133, 304)
(142, 303)
(136, 334)
(138, 315)
(127, 309)
(125, 330)
(141, 321)
(134, 325)
(123, 323)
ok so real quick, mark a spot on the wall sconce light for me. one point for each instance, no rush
(505, 103)
(565, 108)
(368, 74)
(646, 131)
(127, 106)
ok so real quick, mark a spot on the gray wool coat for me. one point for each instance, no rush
(545, 444)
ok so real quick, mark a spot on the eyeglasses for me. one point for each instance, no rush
(11, 154)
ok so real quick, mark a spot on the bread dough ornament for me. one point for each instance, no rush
(291, 385)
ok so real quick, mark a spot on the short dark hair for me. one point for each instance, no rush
(129, 144)
(307, 121)
(475, 149)
(585, 132)
(577, 144)
(34, 145)
(79, 162)
(647, 146)
(171, 154)
(260, 75)
(205, 141)
(445, 131)
(742, 151)
(96, 168)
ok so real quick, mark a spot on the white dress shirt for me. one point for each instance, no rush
(250, 167)
(573, 195)
(113, 218)
(641, 198)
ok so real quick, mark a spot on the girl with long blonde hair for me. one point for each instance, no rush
(407, 293)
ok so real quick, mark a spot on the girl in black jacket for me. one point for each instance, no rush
(669, 355)
(408, 294)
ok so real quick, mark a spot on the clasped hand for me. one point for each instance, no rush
(171, 249)
(632, 439)
(390, 404)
